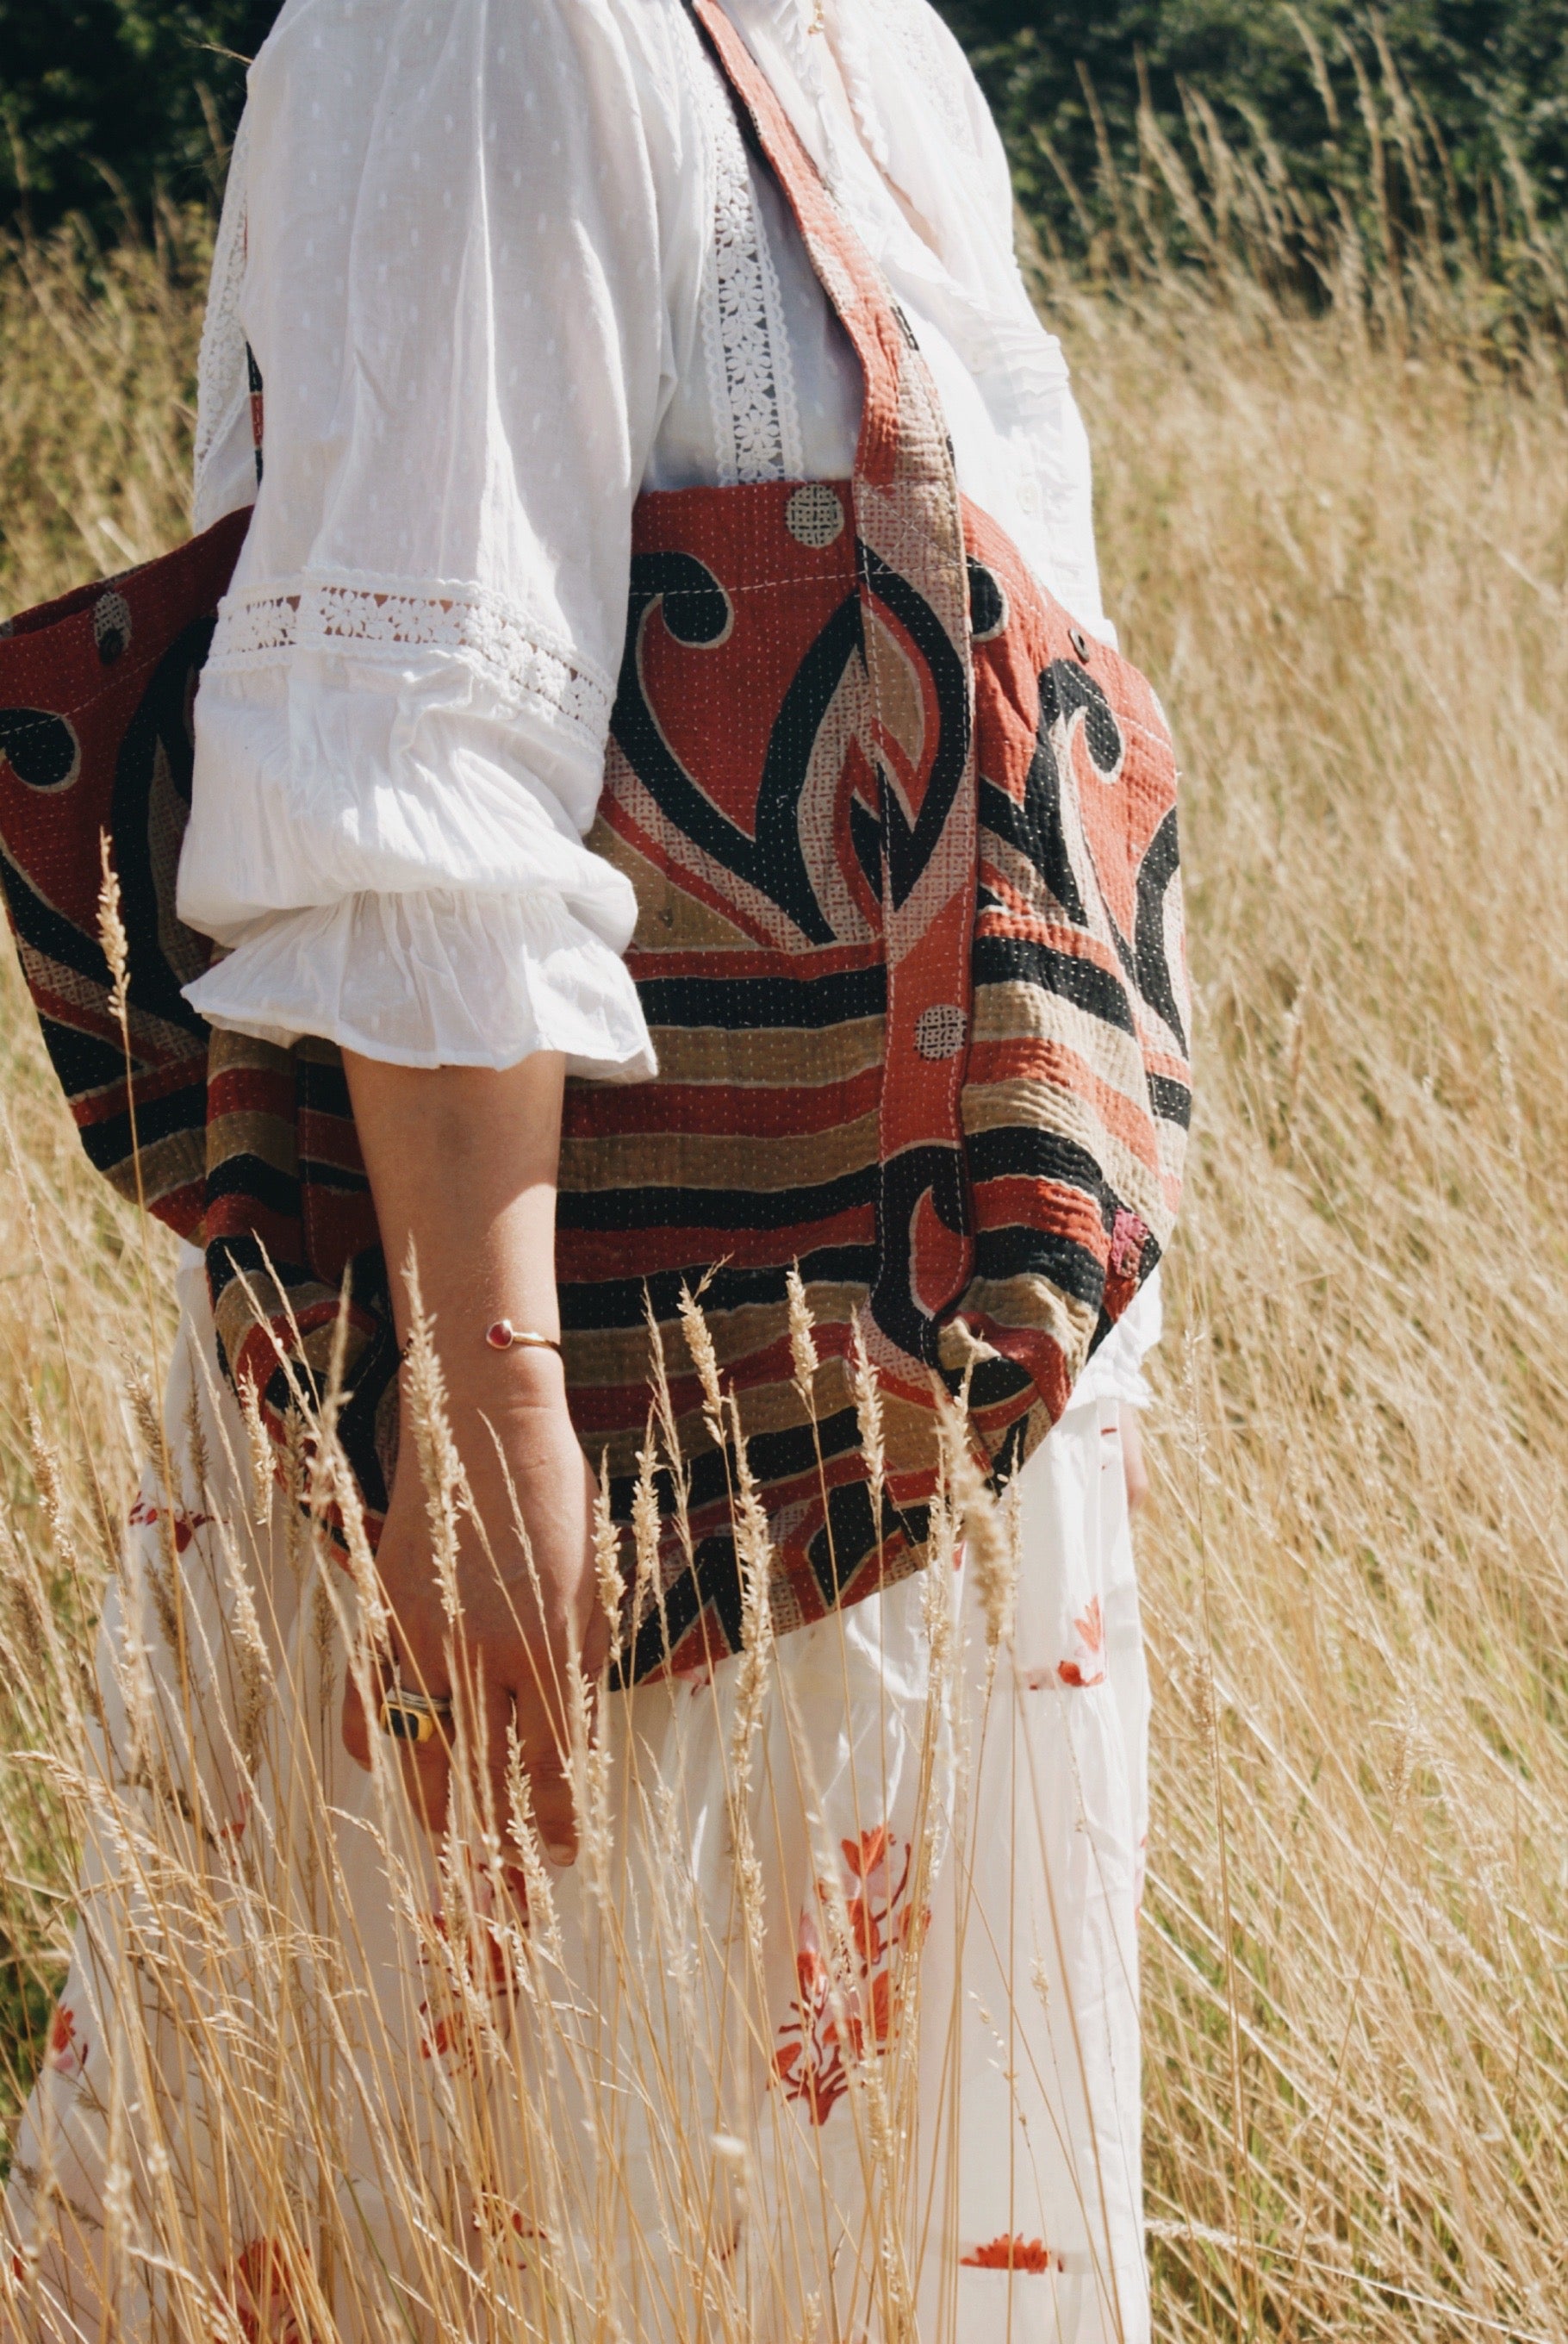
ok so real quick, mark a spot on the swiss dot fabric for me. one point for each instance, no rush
(502, 267)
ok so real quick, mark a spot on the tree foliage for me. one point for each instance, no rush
(1304, 86)
(107, 101)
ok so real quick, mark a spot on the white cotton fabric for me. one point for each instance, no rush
(1021, 2123)
(1115, 1372)
(501, 268)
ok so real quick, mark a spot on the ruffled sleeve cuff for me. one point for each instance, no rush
(439, 978)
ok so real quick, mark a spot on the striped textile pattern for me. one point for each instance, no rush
(246, 1150)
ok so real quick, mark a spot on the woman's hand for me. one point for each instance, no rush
(504, 1661)
(462, 1164)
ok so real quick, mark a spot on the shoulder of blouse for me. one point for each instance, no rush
(434, 96)
(468, 229)
(932, 62)
(347, 49)
(515, 123)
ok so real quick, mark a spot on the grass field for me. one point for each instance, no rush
(1344, 560)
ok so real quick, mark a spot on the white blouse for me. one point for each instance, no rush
(503, 263)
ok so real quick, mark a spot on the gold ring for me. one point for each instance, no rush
(408, 1716)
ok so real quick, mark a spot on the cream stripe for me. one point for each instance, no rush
(1015, 1011)
(792, 1057)
(759, 1166)
(1028, 1105)
(166, 1164)
(250, 1131)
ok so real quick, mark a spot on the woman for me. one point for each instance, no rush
(501, 269)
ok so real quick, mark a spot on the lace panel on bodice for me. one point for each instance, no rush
(751, 384)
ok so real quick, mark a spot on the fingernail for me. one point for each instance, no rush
(561, 1852)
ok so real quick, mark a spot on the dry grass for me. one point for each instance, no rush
(97, 401)
(1346, 569)
(1346, 572)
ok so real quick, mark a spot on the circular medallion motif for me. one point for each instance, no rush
(939, 1031)
(111, 625)
(40, 748)
(814, 515)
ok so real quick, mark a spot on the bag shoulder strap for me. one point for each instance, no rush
(913, 581)
(852, 280)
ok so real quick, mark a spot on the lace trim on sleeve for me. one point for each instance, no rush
(222, 383)
(261, 625)
(752, 386)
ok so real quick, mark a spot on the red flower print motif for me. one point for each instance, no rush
(263, 2292)
(810, 2067)
(1012, 2254)
(67, 2052)
(819, 2041)
(509, 2229)
(185, 1525)
(868, 1854)
(449, 2027)
(1089, 1669)
(238, 1823)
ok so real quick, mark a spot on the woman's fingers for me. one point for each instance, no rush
(426, 1766)
(487, 1722)
(546, 1762)
(490, 1724)
(494, 1758)
(427, 1769)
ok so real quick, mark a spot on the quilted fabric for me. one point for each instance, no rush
(96, 694)
(909, 946)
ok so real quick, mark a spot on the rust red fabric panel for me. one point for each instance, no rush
(903, 840)
(96, 691)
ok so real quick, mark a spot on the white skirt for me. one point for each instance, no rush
(831, 2032)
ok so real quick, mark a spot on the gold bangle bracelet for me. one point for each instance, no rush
(502, 1336)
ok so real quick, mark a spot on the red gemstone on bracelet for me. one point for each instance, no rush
(501, 1336)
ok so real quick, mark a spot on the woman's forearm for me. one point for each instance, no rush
(462, 1166)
